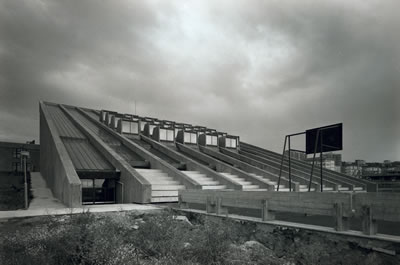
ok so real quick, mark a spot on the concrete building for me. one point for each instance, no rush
(352, 169)
(99, 156)
(10, 154)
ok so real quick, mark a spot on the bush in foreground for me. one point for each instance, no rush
(121, 239)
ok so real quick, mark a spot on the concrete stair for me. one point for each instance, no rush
(163, 187)
(247, 185)
(42, 195)
(207, 183)
(275, 183)
(301, 168)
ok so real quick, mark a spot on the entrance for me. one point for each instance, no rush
(98, 191)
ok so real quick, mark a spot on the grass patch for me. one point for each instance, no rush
(12, 191)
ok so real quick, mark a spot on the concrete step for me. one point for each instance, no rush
(191, 172)
(164, 199)
(213, 187)
(272, 183)
(164, 182)
(154, 174)
(203, 179)
(164, 193)
(164, 177)
(248, 187)
(167, 187)
(208, 183)
(244, 183)
(148, 170)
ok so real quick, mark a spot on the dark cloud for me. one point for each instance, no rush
(258, 69)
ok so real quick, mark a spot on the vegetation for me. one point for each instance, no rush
(12, 191)
(124, 239)
(160, 238)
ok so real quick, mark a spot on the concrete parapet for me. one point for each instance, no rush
(55, 163)
(370, 207)
(136, 188)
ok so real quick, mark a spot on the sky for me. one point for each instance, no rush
(257, 69)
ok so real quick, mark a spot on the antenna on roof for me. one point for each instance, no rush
(135, 107)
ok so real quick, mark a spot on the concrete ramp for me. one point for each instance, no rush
(42, 196)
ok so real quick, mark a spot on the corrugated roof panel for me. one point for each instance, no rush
(64, 125)
(104, 135)
(84, 156)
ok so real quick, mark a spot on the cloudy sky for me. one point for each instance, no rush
(258, 69)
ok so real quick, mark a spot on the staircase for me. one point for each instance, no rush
(206, 183)
(275, 183)
(247, 185)
(163, 187)
(302, 169)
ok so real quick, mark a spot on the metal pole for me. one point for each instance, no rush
(25, 185)
(280, 169)
(320, 154)
(312, 166)
(93, 193)
(290, 172)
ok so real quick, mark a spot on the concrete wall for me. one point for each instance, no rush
(155, 162)
(134, 187)
(7, 155)
(368, 207)
(55, 163)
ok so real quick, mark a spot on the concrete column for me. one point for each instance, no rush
(369, 225)
(220, 209)
(341, 221)
(182, 204)
(210, 206)
(266, 214)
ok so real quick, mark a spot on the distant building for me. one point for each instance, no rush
(296, 155)
(329, 161)
(352, 169)
(335, 157)
(372, 169)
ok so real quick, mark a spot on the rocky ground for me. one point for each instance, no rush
(168, 238)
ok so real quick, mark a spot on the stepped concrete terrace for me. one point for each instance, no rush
(98, 156)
